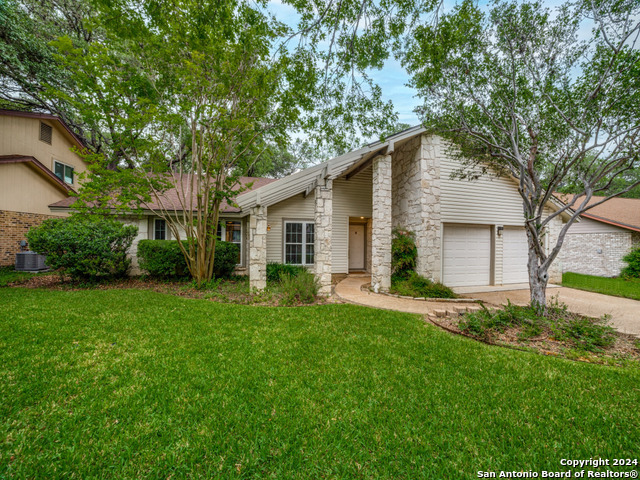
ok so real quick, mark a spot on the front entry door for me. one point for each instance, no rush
(356, 247)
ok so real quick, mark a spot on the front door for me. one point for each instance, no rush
(356, 247)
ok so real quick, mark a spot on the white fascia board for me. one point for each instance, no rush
(298, 182)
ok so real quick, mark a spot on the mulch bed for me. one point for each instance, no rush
(625, 350)
(229, 291)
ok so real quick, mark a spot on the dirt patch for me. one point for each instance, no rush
(235, 290)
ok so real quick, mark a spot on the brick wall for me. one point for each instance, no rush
(13, 228)
(595, 253)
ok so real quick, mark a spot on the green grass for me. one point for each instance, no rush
(609, 286)
(136, 384)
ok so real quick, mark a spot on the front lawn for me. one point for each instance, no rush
(608, 286)
(138, 384)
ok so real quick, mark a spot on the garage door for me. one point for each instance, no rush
(514, 256)
(467, 255)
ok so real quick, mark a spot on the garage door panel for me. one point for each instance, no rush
(514, 256)
(467, 255)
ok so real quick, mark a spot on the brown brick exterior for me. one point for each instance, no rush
(13, 228)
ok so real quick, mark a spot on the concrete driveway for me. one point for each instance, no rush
(625, 313)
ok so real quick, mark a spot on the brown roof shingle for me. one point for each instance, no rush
(171, 199)
(623, 212)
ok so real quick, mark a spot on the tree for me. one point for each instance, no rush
(27, 59)
(517, 93)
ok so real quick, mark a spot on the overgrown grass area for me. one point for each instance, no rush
(618, 287)
(8, 275)
(137, 384)
(558, 332)
(415, 285)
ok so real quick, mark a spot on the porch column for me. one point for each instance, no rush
(258, 248)
(323, 230)
(381, 224)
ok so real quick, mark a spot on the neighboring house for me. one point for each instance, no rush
(337, 217)
(37, 168)
(606, 233)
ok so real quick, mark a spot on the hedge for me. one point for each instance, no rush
(85, 247)
(164, 259)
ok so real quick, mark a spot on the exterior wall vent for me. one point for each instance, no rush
(46, 133)
(30, 262)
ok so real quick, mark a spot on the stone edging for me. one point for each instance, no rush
(426, 299)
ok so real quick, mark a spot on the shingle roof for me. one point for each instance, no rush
(622, 212)
(171, 198)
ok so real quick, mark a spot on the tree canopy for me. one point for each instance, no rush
(517, 92)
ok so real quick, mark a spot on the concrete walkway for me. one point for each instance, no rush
(625, 313)
(350, 289)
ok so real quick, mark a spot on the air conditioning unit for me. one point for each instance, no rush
(30, 262)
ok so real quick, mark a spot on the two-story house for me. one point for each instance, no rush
(38, 166)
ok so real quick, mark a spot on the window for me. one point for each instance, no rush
(63, 172)
(46, 133)
(299, 243)
(231, 231)
(159, 229)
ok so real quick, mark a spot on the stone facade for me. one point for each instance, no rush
(416, 200)
(381, 219)
(13, 228)
(596, 253)
(323, 229)
(258, 248)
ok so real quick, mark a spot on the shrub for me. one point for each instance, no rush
(164, 259)
(301, 288)
(403, 253)
(586, 334)
(632, 270)
(275, 271)
(85, 247)
(414, 285)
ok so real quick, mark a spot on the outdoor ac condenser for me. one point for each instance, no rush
(30, 262)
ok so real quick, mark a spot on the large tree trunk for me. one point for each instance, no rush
(538, 280)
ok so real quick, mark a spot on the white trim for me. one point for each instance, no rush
(304, 241)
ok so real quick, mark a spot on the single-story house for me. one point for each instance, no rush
(337, 217)
(605, 234)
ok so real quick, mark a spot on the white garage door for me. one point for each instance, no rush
(467, 255)
(514, 256)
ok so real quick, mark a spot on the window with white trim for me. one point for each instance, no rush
(159, 229)
(299, 243)
(231, 231)
(63, 172)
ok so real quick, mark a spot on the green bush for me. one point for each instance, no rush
(403, 253)
(414, 285)
(275, 271)
(632, 270)
(586, 334)
(164, 259)
(301, 288)
(85, 247)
